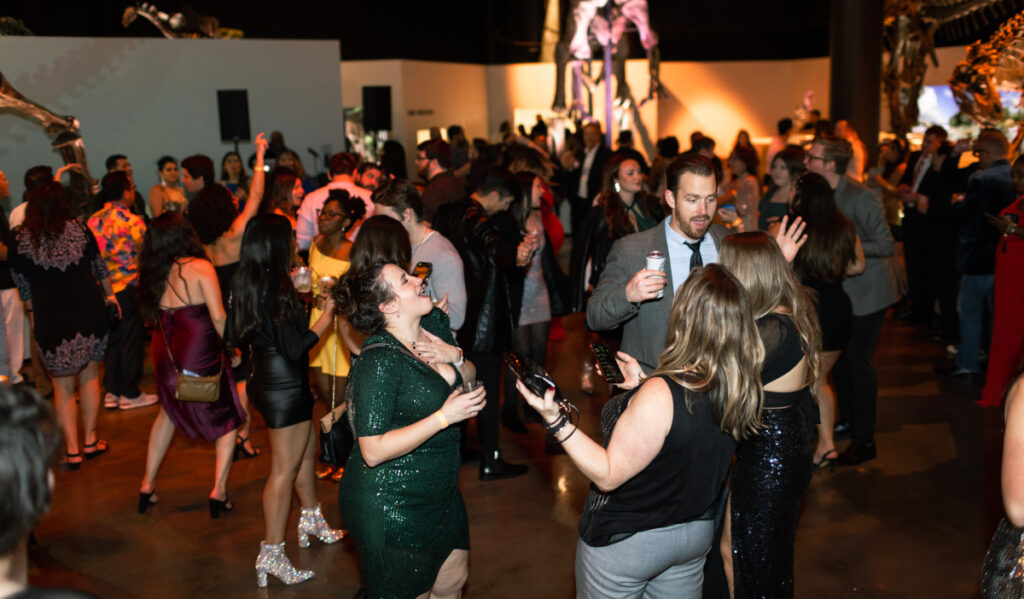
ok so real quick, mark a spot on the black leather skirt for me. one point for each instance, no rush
(279, 388)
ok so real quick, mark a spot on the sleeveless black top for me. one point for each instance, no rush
(783, 350)
(682, 483)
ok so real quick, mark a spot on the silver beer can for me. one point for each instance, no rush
(656, 261)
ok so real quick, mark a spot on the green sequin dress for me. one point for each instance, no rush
(405, 515)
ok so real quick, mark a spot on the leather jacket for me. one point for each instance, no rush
(491, 273)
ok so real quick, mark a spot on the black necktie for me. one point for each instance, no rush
(695, 258)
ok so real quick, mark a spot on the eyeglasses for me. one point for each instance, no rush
(329, 214)
(813, 157)
(421, 159)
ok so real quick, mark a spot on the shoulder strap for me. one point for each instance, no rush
(167, 341)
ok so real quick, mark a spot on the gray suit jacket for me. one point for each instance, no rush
(876, 288)
(645, 325)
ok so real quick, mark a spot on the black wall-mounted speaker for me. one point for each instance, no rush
(377, 108)
(233, 109)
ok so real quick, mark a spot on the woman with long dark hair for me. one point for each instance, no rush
(648, 522)
(831, 253)
(544, 288)
(622, 208)
(178, 289)
(269, 319)
(54, 257)
(743, 192)
(381, 238)
(773, 467)
(167, 194)
(234, 177)
(400, 494)
(284, 194)
(785, 169)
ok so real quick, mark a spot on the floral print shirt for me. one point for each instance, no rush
(119, 236)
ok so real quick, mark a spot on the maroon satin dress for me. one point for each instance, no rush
(197, 348)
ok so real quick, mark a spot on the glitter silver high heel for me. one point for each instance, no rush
(312, 523)
(272, 560)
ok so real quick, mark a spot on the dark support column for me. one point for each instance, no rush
(856, 49)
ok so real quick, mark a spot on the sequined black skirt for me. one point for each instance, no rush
(771, 475)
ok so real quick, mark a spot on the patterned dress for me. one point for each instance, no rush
(406, 515)
(61, 275)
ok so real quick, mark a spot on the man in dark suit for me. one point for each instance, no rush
(627, 293)
(585, 178)
(871, 293)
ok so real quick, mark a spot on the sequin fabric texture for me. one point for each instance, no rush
(405, 515)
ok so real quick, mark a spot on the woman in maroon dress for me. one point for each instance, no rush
(178, 288)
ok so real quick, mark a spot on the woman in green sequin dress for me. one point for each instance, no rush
(400, 497)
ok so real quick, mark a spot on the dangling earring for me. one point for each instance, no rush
(618, 187)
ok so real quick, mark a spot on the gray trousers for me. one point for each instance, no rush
(661, 563)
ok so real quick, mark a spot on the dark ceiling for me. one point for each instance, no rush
(485, 31)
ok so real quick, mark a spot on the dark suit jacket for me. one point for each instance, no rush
(593, 178)
(645, 325)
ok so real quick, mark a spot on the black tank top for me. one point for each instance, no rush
(682, 483)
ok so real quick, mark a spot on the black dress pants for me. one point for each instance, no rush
(123, 360)
(488, 370)
(856, 379)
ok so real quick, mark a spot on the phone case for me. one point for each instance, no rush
(533, 375)
(606, 359)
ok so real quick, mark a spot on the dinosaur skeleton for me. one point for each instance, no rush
(988, 67)
(909, 33)
(574, 51)
(63, 130)
(186, 24)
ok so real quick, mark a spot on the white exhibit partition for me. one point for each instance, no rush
(146, 98)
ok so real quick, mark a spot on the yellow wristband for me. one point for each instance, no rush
(441, 419)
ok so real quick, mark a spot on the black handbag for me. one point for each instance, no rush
(336, 434)
(1002, 576)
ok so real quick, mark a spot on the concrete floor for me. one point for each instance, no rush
(913, 523)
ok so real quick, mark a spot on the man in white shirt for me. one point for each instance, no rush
(399, 199)
(341, 167)
(585, 182)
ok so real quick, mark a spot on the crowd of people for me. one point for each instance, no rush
(398, 299)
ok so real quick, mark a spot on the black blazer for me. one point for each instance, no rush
(594, 177)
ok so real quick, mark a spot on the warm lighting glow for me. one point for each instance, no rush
(562, 484)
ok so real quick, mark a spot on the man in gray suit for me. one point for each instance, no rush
(871, 294)
(627, 293)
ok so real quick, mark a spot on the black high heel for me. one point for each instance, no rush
(828, 460)
(146, 500)
(217, 506)
(242, 452)
(67, 464)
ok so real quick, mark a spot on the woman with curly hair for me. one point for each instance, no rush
(54, 257)
(219, 225)
(400, 493)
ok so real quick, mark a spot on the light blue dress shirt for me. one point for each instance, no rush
(679, 254)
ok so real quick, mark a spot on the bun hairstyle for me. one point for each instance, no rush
(359, 294)
(353, 208)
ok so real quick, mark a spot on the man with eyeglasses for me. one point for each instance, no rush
(871, 294)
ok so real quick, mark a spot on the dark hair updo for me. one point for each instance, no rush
(359, 294)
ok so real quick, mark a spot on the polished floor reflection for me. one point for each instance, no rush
(913, 523)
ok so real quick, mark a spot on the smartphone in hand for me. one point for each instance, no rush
(606, 360)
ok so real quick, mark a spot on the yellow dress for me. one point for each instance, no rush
(322, 355)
